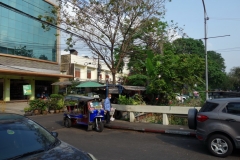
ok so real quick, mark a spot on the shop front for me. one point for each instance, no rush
(12, 86)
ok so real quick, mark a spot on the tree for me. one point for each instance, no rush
(106, 25)
(22, 51)
(216, 65)
(234, 78)
(171, 73)
(216, 70)
(42, 56)
(188, 46)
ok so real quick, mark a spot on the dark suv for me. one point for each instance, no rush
(218, 125)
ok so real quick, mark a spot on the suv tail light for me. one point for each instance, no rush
(201, 118)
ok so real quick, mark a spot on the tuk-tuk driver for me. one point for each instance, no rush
(107, 108)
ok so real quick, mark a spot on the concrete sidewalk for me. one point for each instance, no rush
(151, 127)
(17, 107)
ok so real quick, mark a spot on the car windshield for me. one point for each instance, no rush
(19, 136)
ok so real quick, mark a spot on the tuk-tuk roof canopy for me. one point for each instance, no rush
(76, 97)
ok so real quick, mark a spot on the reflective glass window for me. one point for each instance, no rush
(25, 31)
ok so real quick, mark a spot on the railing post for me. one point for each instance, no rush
(131, 117)
(165, 119)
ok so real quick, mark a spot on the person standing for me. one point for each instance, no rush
(107, 108)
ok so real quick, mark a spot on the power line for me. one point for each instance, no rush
(35, 6)
(231, 19)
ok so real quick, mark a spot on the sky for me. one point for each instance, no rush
(224, 19)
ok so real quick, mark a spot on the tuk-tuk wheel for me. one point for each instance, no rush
(99, 127)
(67, 122)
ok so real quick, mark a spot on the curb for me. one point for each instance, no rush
(168, 131)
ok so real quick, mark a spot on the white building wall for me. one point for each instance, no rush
(84, 63)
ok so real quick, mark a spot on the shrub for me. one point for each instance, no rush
(37, 104)
(136, 100)
(27, 109)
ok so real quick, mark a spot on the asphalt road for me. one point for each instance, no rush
(129, 145)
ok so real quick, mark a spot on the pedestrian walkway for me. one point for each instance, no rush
(18, 108)
(150, 127)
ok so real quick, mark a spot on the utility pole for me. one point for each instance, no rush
(205, 39)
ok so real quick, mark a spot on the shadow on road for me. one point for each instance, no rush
(192, 144)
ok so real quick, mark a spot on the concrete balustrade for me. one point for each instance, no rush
(165, 110)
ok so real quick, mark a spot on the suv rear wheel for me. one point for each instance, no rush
(219, 145)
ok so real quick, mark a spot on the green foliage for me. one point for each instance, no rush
(124, 100)
(216, 70)
(233, 79)
(37, 104)
(173, 72)
(56, 96)
(27, 109)
(70, 102)
(72, 87)
(176, 120)
(189, 46)
(137, 80)
(60, 103)
(135, 100)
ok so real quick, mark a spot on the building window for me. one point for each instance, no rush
(77, 72)
(100, 76)
(107, 76)
(88, 74)
(24, 36)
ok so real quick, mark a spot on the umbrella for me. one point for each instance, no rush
(90, 84)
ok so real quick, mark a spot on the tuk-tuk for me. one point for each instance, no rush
(84, 110)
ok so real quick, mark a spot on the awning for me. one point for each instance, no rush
(62, 83)
(113, 90)
(134, 88)
(89, 84)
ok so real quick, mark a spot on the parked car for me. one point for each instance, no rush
(181, 98)
(218, 125)
(22, 138)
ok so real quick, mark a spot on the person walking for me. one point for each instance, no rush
(107, 108)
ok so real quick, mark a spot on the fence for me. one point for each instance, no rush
(165, 111)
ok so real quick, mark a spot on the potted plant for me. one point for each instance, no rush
(28, 111)
(60, 104)
(54, 98)
(44, 110)
(34, 106)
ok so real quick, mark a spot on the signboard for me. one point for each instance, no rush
(27, 90)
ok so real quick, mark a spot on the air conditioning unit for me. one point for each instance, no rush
(77, 79)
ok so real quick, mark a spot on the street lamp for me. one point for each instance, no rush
(205, 38)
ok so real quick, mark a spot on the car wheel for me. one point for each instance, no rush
(192, 122)
(219, 145)
(67, 122)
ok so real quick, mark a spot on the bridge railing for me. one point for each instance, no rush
(164, 110)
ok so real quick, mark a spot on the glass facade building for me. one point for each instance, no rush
(23, 36)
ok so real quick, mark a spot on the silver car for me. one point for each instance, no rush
(218, 125)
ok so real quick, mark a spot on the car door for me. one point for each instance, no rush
(230, 117)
